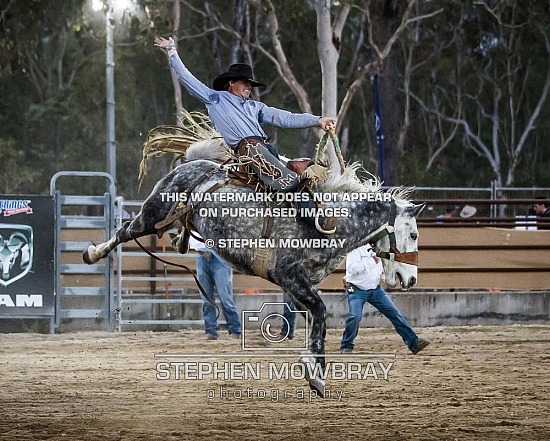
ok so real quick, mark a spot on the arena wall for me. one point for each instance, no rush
(450, 258)
(420, 308)
(466, 276)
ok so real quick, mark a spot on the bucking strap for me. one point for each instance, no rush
(262, 261)
(178, 210)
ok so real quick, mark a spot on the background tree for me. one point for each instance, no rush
(467, 83)
(489, 93)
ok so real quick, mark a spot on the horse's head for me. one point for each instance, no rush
(398, 246)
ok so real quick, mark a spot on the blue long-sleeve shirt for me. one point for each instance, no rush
(235, 117)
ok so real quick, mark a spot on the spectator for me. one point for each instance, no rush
(467, 211)
(363, 272)
(450, 211)
(541, 211)
(214, 273)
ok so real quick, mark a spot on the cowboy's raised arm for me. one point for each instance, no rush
(195, 87)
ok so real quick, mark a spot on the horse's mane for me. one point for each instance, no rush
(349, 182)
(195, 138)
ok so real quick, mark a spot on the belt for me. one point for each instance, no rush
(350, 287)
(251, 140)
(206, 254)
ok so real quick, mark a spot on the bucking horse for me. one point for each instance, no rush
(366, 214)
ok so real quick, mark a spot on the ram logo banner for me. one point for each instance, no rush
(27, 256)
(16, 252)
(9, 207)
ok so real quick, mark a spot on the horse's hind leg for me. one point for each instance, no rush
(96, 252)
(154, 209)
(130, 230)
(308, 296)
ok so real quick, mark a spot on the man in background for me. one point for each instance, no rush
(541, 211)
(363, 272)
(215, 274)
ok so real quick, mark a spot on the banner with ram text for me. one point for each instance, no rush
(27, 256)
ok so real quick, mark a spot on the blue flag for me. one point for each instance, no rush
(378, 126)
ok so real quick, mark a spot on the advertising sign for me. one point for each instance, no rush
(27, 255)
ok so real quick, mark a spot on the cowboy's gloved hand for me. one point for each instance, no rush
(327, 123)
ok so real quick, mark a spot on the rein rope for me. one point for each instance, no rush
(210, 299)
(320, 152)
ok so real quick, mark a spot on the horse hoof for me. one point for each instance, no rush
(317, 385)
(87, 255)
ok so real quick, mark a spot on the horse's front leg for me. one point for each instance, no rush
(314, 363)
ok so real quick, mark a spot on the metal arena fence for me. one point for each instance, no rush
(497, 248)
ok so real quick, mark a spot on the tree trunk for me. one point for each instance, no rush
(328, 37)
(176, 15)
(239, 8)
(213, 37)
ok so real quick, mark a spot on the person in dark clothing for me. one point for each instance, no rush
(541, 210)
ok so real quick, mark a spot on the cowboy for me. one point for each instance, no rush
(238, 118)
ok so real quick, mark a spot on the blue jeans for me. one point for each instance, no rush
(212, 272)
(289, 316)
(380, 299)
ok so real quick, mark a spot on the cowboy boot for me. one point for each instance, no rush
(315, 173)
(269, 169)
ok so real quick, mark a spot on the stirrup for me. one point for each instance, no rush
(180, 241)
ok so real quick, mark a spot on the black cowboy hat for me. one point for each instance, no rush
(239, 71)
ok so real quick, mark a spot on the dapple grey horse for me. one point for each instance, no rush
(367, 215)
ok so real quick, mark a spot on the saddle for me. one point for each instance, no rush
(301, 166)
(261, 172)
(261, 160)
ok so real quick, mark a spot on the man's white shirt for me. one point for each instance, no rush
(362, 270)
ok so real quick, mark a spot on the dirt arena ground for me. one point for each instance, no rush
(482, 383)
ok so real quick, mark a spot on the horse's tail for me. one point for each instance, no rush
(195, 129)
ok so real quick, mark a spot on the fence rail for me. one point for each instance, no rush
(485, 251)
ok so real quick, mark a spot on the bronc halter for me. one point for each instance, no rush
(388, 229)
